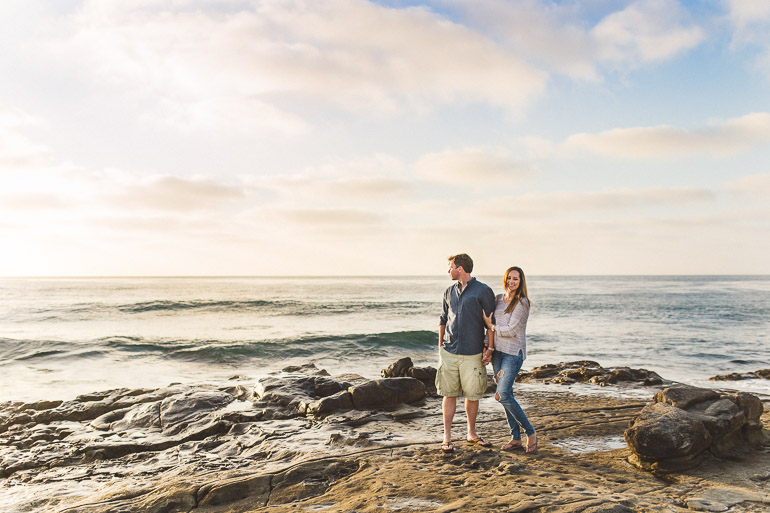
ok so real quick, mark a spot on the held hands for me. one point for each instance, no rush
(486, 356)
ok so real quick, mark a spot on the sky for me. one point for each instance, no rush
(354, 137)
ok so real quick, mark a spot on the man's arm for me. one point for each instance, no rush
(443, 319)
(488, 304)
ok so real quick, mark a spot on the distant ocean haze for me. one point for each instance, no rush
(60, 337)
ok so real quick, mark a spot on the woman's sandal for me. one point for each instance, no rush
(531, 448)
(480, 442)
(512, 445)
(447, 447)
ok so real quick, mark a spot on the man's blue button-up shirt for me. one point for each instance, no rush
(463, 317)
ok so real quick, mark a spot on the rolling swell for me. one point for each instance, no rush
(199, 306)
(173, 306)
(230, 352)
(214, 351)
(42, 351)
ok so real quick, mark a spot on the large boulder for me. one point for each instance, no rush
(687, 424)
(315, 394)
(320, 395)
(664, 437)
(404, 368)
(384, 393)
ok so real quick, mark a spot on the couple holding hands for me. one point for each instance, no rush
(476, 328)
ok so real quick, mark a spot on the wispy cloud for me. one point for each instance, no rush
(178, 194)
(240, 66)
(318, 217)
(747, 14)
(717, 138)
(32, 201)
(646, 30)
(752, 187)
(378, 179)
(555, 37)
(368, 189)
(473, 166)
(16, 149)
(606, 202)
(751, 23)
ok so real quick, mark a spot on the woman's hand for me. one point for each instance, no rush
(487, 320)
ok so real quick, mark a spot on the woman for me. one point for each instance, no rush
(511, 313)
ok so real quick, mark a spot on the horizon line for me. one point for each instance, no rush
(63, 276)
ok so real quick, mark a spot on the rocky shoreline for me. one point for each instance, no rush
(303, 440)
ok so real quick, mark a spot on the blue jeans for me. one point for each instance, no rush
(506, 368)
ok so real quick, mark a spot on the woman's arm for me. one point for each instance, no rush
(517, 321)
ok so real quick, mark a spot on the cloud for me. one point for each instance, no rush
(718, 138)
(368, 189)
(539, 31)
(27, 201)
(149, 224)
(246, 115)
(751, 23)
(748, 13)
(563, 37)
(379, 178)
(323, 192)
(109, 193)
(751, 187)
(173, 193)
(263, 63)
(647, 30)
(16, 149)
(320, 217)
(480, 166)
(610, 201)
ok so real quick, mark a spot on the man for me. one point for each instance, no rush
(462, 353)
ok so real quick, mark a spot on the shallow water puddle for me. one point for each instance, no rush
(320, 507)
(410, 503)
(586, 445)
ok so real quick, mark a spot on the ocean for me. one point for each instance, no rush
(60, 337)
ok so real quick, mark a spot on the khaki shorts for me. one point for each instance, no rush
(460, 374)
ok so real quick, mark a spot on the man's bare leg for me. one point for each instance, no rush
(471, 412)
(448, 407)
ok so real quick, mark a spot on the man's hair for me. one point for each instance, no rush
(464, 261)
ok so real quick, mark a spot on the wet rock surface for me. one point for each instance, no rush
(739, 376)
(685, 424)
(318, 394)
(261, 445)
(587, 371)
(404, 367)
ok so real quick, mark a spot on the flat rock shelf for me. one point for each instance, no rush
(276, 445)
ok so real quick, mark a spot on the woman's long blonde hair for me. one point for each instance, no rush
(520, 292)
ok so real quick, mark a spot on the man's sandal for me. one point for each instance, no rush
(531, 448)
(480, 442)
(512, 445)
(447, 447)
